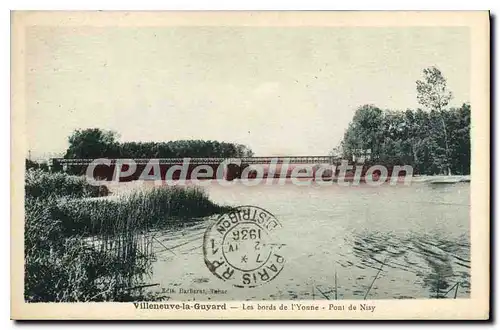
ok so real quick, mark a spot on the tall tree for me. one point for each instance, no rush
(96, 143)
(364, 132)
(434, 95)
(412, 137)
(92, 143)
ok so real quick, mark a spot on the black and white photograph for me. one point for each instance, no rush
(258, 163)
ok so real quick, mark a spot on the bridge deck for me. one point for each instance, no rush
(211, 161)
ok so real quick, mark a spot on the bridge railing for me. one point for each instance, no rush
(199, 161)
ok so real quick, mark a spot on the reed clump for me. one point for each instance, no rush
(96, 249)
(59, 268)
(42, 184)
(140, 211)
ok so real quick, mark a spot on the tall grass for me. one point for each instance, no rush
(140, 211)
(87, 249)
(60, 268)
(43, 184)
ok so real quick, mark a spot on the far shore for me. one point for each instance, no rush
(123, 188)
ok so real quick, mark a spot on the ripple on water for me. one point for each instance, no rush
(201, 280)
(413, 251)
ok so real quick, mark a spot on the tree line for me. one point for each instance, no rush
(97, 143)
(434, 140)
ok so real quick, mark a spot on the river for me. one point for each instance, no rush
(387, 242)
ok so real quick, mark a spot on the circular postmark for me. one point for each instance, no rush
(241, 247)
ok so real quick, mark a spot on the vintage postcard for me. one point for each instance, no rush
(250, 165)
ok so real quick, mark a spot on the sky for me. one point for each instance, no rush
(279, 90)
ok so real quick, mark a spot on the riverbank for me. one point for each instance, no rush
(117, 189)
(82, 248)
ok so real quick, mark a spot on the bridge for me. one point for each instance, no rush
(212, 161)
(234, 169)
